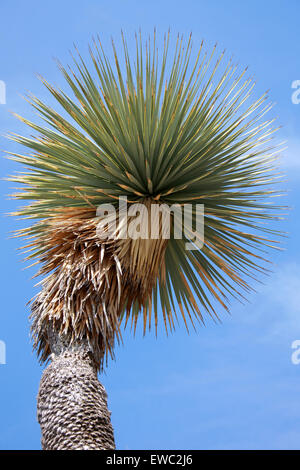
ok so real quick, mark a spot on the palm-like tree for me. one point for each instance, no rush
(158, 133)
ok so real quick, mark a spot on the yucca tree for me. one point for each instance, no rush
(157, 131)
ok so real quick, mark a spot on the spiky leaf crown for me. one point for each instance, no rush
(159, 132)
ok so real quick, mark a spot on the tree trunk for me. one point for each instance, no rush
(72, 404)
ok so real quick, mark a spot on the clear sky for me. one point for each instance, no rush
(230, 386)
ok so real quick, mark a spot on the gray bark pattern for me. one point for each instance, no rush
(72, 404)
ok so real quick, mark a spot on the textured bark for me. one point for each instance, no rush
(72, 404)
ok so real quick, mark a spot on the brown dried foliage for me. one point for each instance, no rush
(90, 281)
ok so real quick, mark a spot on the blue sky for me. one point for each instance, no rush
(230, 386)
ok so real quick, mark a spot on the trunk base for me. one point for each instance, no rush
(72, 405)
